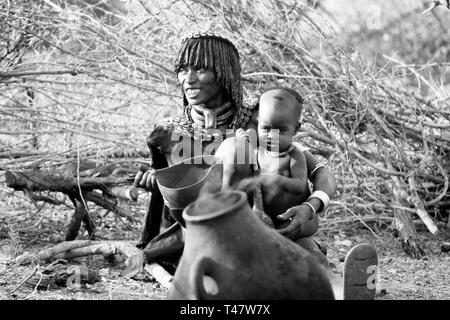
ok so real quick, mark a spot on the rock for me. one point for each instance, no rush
(445, 247)
(346, 243)
(383, 292)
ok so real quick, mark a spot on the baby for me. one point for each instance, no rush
(277, 156)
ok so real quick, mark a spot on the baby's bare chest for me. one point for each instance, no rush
(273, 165)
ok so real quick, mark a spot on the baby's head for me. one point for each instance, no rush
(279, 115)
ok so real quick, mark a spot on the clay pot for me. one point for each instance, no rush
(230, 253)
(181, 184)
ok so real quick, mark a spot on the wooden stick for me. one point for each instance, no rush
(160, 274)
(24, 280)
(420, 210)
(51, 252)
(43, 181)
(78, 216)
(124, 192)
(98, 199)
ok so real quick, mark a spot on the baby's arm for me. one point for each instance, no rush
(297, 183)
(299, 170)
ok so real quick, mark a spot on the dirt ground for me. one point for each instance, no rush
(24, 227)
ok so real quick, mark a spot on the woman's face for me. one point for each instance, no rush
(200, 86)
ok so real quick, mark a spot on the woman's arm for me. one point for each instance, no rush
(305, 221)
(324, 183)
(157, 140)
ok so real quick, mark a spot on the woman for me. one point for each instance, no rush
(209, 73)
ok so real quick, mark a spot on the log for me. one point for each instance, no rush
(80, 248)
(160, 274)
(98, 199)
(50, 181)
(80, 214)
(64, 181)
(47, 254)
(133, 264)
(37, 197)
(124, 192)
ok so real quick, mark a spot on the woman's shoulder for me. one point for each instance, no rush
(171, 120)
(164, 128)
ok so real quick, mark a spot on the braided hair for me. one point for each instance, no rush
(213, 52)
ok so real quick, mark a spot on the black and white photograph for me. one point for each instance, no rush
(247, 152)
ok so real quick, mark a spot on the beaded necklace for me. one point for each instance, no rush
(273, 154)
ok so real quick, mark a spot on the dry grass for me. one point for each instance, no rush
(76, 86)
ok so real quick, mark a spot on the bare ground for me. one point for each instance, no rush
(24, 227)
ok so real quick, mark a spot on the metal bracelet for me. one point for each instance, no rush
(322, 196)
(311, 206)
(317, 167)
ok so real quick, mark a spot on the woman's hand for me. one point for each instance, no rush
(249, 134)
(304, 222)
(146, 179)
(241, 133)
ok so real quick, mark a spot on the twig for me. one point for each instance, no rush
(434, 5)
(34, 73)
(35, 287)
(24, 280)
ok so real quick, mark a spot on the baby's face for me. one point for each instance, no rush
(276, 126)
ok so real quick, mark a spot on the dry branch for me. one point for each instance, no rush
(46, 181)
(79, 190)
(349, 106)
(80, 248)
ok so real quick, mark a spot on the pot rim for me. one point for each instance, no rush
(160, 186)
(189, 218)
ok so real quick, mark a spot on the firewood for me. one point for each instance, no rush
(59, 273)
(124, 192)
(134, 262)
(64, 181)
(47, 254)
(111, 205)
(80, 214)
(160, 274)
(48, 181)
